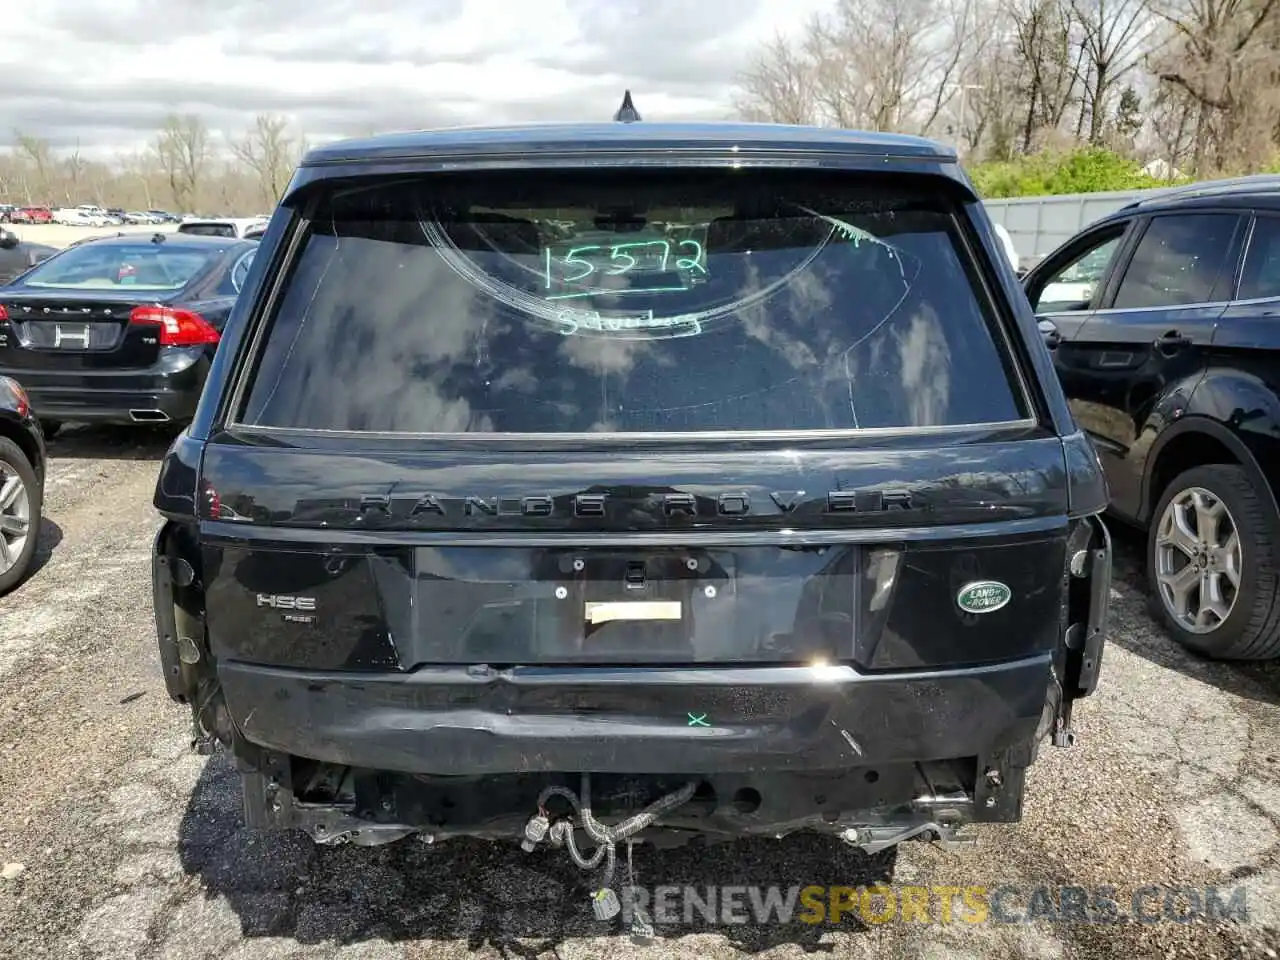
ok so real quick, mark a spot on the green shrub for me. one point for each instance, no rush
(1086, 170)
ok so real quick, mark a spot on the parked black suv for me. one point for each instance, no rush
(1164, 322)
(603, 466)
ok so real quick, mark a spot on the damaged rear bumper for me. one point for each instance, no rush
(773, 750)
(466, 750)
(479, 721)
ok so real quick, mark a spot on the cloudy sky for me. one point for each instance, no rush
(103, 73)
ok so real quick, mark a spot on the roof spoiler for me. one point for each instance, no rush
(627, 113)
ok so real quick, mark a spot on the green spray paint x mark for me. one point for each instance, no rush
(699, 721)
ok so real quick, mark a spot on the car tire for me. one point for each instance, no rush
(1226, 501)
(14, 565)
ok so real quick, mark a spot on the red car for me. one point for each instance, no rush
(32, 215)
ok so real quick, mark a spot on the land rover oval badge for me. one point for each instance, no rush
(983, 596)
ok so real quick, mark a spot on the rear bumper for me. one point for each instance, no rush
(168, 391)
(460, 721)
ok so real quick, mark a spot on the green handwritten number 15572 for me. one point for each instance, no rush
(623, 258)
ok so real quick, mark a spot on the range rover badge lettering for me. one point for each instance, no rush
(427, 503)
(279, 601)
(786, 500)
(674, 505)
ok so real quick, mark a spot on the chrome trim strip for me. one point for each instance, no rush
(1172, 306)
(1254, 301)
(648, 436)
(338, 539)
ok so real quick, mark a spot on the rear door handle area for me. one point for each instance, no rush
(1170, 341)
(1050, 333)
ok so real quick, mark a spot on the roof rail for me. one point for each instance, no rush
(1209, 188)
(627, 113)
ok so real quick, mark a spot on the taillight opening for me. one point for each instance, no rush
(17, 394)
(175, 327)
(210, 501)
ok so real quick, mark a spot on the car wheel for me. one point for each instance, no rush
(50, 427)
(20, 504)
(1212, 567)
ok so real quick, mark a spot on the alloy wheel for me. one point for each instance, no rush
(15, 516)
(1198, 560)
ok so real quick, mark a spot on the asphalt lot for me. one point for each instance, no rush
(116, 841)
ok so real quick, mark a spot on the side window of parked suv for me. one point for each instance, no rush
(1180, 260)
(1073, 287)
(1261, 276)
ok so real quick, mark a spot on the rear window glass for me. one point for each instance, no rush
(674, 303)
(208, 229)
(1261, 276)
(144, 266)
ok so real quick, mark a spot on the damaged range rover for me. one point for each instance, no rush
(599, 483)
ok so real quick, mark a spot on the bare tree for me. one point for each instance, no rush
(183, 149)
(997, 104)
(75, 166)
(1113, 35)
(967, 42)
(1195, 83)
(39, 154)
(225, 184)
(779, 85)
(10, 176)
(867, 65)
(1172, 126)
(1222, 55)
(1051, 60)
(869, 60)
(141, 170)
(300, 147)
(185, 167)
(268, 150)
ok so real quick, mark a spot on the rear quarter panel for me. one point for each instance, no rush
(1239, 403)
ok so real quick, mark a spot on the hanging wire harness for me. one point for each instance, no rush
(560, 833)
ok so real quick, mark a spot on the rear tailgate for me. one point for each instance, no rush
(387, 561)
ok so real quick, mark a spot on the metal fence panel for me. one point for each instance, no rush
(1039, 225)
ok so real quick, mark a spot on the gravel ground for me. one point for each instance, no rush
(117, 842)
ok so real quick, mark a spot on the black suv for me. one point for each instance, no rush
(708, 472)
(1164, 323)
